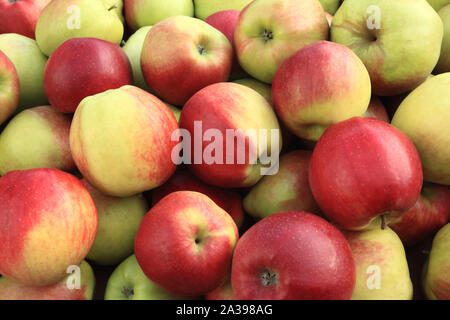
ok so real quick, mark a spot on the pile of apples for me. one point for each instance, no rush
(115, 121)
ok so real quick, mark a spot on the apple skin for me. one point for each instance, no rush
(438, 4)
(307, 257)
(205, 8)
(20, 16)
(393, 54)
(82, 67)
(377, 110)
(225, 22)
(9, 88)
(423, 116)
(36, 138)
(330, 6)
(262, 88)
(288, 190)
(428, 215)
(443, 64)
(382, 249)
(184, 180)
(363, 168)
(30, 64)
(133, 49)
(143, 13)
(185, 243)
(197, 55)
(309, 99)
(118, 222)
(95, 21)
(49, 222)
(225, 106)
(436, 278)
(128, 282)
(223, 292)
(283, 26)
(10, 290)
(121, 141)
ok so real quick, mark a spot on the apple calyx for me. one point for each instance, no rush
(267, 35)
(268, 278)
(128, 292)
(201, 49)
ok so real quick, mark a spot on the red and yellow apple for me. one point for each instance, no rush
(9, 88)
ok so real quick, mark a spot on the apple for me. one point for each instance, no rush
(133, 49)
(424, 116)
(364, 170)
(288, 190)
(20, 16)
(310, 99)
(183, 180)
(150, 12)
(66, 19)
(377, 110)
(121, 141)
(438, 4)
(36, 138)
(293, 256)
(10, 290)
(205, 8)
(29, 63)
(196, 56)
(443, 64)
(222, 292)
(118, 222)
(247, 138)
(48, 222)
(9, 88)
(225, 22)
(176, 111)
(382, 271)
(128, 282)
(436, 280)
(428, 215)
(83, 67)
(262, 88)
(269, 31)
(185, 243)
(330, 6)
(390, 46)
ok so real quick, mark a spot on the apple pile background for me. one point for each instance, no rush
(91, 92)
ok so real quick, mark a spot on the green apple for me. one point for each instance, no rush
(436, 275)
(30, 64)
(438, 4)
(382, 271)
(424, 115)
(288, 190)
(66, 289)
(262, 88)
(133, 49)
(118, 222)
(128, 282)
(205, 8)
(443, 64)
(269, 31)
(390, 37)
(65, 19)
(330, 6)
(149, 12)
(36, 138)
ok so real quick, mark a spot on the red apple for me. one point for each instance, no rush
(48, 222)
(428, 215)
(293, 256)
(185, 243)
(363, 168)
(225, 22)
(377, 110)
(223, 292)
(184, 180)
(9, 88)
(182, 55)
(20, 16)
(82, 67)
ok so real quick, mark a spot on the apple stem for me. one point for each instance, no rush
(383, 222)
(112, 7)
